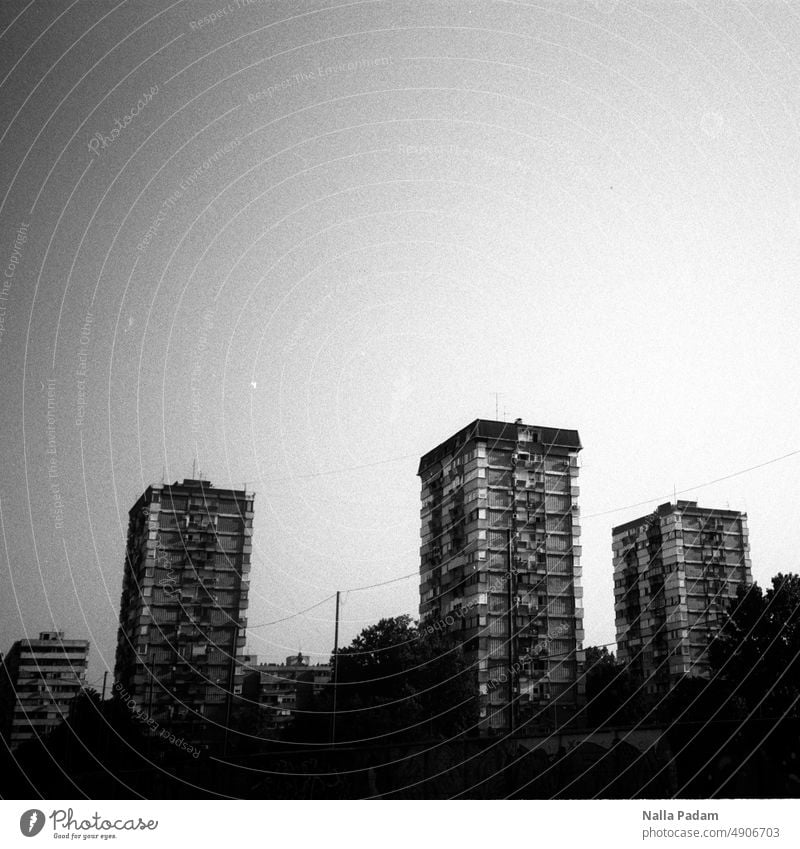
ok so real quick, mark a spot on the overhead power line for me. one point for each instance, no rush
(339, 471)
(416, 572)
(692, 488)
(292, 615)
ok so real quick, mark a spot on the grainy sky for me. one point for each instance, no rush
(306, 242)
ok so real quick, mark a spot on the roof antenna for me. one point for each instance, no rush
(496, 404)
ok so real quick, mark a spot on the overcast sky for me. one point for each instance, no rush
(323, 235)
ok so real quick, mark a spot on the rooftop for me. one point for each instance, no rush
(499, 432)
(191, 486)
(679, 507)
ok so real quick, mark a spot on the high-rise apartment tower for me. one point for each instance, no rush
(676, 571)
(38, 681)
(184, 599)
(500, 566)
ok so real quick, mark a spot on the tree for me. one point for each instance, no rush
(736, 732)
(102, 748)
(612, 697)
(755, 659)
(249, 728)
(395, 682)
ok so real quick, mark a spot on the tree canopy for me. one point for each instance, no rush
(393, 682)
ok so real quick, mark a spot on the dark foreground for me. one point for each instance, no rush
(757, 760)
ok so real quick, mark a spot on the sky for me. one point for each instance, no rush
(303, 243)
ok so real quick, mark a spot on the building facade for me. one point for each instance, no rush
(38, 681)
(498, 495)
(283, 689)
(180, 646)
(676, 571)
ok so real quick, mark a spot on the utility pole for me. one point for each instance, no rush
(511, 630)
(234, 648)
(335, 670)
(149, 667)
(231, 679)
(105, 723)
(150, 692)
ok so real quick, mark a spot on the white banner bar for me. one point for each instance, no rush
(356, 824)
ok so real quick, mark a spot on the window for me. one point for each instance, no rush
(229, 525)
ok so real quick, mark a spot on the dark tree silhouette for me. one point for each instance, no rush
(395, 682)
(612, 697)
(736, 732)
(100, 749)
(755, 660)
